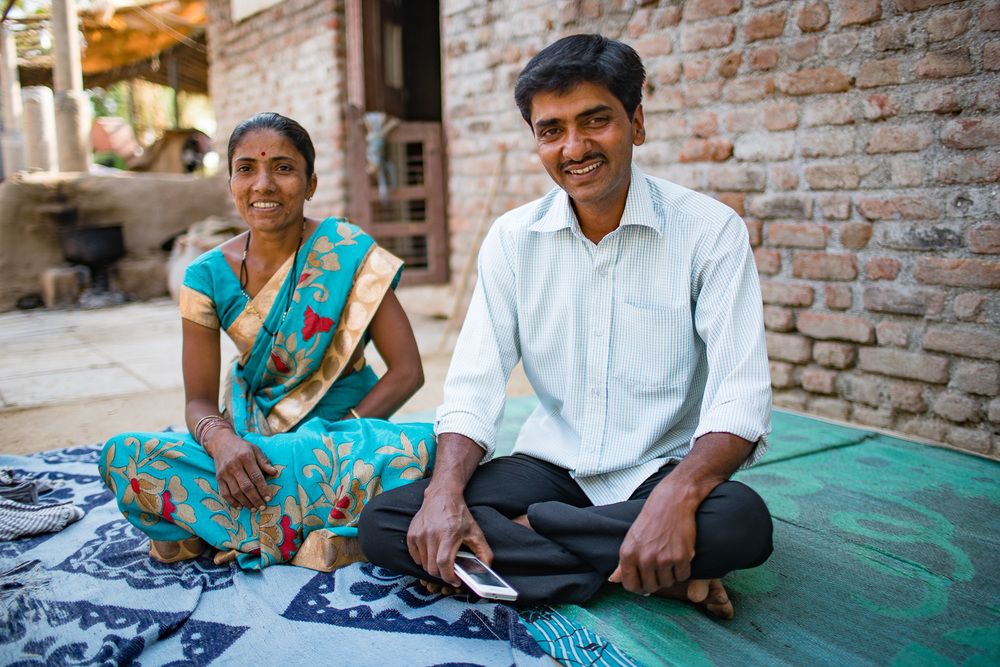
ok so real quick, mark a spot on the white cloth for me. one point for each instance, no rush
(635, 346)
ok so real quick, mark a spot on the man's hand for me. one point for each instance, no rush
(442, 525)
(659, 547)
(240, 470)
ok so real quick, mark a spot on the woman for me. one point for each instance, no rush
(301, 444)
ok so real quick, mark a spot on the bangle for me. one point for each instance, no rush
(197, 427)
(206, 424)
(355, 413)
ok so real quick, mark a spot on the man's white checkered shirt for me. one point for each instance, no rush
(635, 346)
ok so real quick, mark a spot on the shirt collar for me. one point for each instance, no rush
(638, 209)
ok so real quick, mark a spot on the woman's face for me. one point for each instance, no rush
(269, 183)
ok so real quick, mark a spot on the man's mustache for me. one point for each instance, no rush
(569, 164)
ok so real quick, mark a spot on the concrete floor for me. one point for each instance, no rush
(77, 377)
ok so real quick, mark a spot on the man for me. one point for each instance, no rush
(635, 308)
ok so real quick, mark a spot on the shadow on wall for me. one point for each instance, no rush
(152, 209)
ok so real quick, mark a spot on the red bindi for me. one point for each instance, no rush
(263, 153)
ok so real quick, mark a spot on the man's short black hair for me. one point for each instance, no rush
(582, 58)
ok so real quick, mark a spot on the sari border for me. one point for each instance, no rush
(198, 308)
(248, 324)
(372, 281)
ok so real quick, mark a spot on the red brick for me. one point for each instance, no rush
(784, 177)
(768, 261)
(863, 389)
(654, 45)
(781, 117)
(920, 237)
(985, 239)
(968, 307)
(833, 143)
(989, 17)
(765, 147)
(749, 88)
(742, 119)
(976, 377)
(968, 133)
(782, 374)
(778, 319)
(695, 10)
(813, 18)
(591, 9)
(855, 235)
(699, 37)
(835, 327)
(944, 64)
(696, 68)
(948, 25)
(956, 407)
(908, 365)
(639, 23)
(706, 150)
(958, 272)
(829, 112)
(786, 206)
(929, 429)
(705, 125)
(840, 44)
(838, 297)
(666, 73)
(802, 49)
(837, 207)
(818, 380)
(938, 100)
(970, 169)
(853, 12)
(880, 107)
(814, 82)
(741, 179)
(786, 294)
(797, 234)
(730, 64)
(754, 228)
(892, 37)
(908, 172)
(831, 408)
(917, 5)
(700, 94)
(908, 208)
(991, 56)
(882, 268)
(833, 177)
(824, 266)
(892, 333)
(907, 397)
(900, 139)
(764, 26)
(667, 17)
(878, 73)
(904, 300)
(834, 355)
(763, 58)
(963, 343)
(737, 201)
(788, 347)
(971, 439)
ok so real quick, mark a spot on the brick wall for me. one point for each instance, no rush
(858, 139)
(289, 59)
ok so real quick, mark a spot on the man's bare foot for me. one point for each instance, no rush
(434, 588)
(707, 594)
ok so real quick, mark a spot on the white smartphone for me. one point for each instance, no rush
(483, 581)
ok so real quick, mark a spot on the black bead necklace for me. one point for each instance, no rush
(245, 278)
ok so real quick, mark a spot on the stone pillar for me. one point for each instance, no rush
(39, 129)
(72, 105)
(12, 138)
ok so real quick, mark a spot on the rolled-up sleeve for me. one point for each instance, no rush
(486, 351)
(729, 319)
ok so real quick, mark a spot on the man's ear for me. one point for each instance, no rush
(638, 127)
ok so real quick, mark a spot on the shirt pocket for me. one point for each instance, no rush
(653, 347)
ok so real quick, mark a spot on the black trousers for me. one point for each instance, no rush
(573, 548)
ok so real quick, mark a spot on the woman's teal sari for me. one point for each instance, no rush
(288, 390)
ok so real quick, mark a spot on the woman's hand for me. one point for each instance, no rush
(241, 469)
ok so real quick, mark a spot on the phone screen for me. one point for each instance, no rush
(478, 572)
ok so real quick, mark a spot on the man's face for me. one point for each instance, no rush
(585, 138)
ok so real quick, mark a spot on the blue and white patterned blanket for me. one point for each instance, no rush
(90, 594)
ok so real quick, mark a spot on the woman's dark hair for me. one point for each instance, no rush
(286, 127)
(578, 58)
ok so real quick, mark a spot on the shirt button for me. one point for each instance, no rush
(598, 333)
(596, 391)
